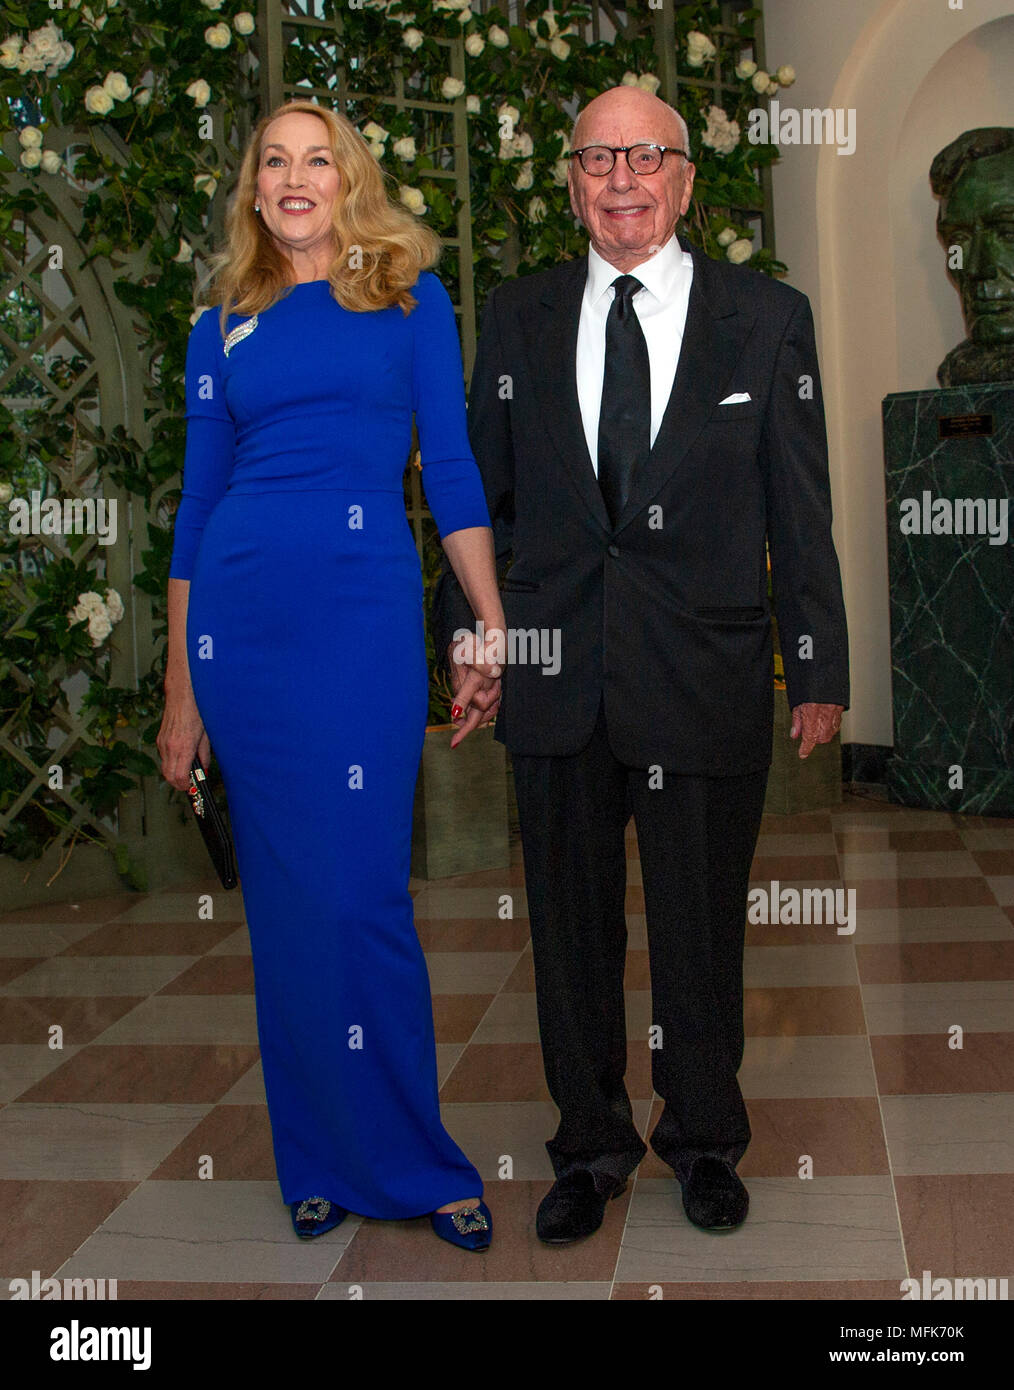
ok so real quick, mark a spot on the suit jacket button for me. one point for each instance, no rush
(614, 550)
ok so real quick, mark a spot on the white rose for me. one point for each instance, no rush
(648, 82)
(721, 133)
(90, 602)
(218, 35)
(31, 159)
(524, 178)
(413, 199)
(116, 85)
(30, 138)
(377, 149)
(185, 254)
(739, 251)
(786, 75)
(373, 131)
(114, 605)
(46, 40)
(205, 183)
(412, 39)
(498, 37)
(524, 144)
(405, 148)
(629, 79)
(746, 69)
(473, 105)
(508, 113)
(464, 17)
(99, 628)
(200, 91)
(9, 50)
(700, 49)
(726, 237)
(451, 87)
(474, 45)
(6, 493)
(770, 89)
(537, 210)
(142, 97)
(560, 169)
(559, 48)
(98, 101)
(760, 81)
(212, 4)
(51, 162)
(243, 22)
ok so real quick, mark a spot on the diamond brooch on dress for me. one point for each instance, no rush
(239, 333)
(313, 1209)
(469, 1219)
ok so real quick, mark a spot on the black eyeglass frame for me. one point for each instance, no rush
(625, 150)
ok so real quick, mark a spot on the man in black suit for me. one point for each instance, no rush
(644, 419)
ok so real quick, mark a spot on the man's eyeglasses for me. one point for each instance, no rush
(598, 160)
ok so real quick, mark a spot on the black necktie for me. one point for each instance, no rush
(625, 417)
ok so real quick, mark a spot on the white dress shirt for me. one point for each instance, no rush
(661, 308)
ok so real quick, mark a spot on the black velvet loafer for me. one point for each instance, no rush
(713, 1196)
(574, 1207)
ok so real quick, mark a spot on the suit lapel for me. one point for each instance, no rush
(551, 335)
(713, 342)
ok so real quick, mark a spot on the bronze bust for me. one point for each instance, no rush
(974, 180)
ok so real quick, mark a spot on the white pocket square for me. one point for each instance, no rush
(737, 398)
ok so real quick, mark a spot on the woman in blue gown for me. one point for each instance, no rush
(297, 650)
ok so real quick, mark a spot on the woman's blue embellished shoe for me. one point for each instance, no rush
(471, 1227)
(315, 1216)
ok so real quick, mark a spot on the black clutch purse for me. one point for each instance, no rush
(212, 826)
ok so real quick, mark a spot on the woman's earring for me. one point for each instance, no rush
(257, 205)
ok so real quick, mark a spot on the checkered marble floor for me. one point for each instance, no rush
(851, 1062)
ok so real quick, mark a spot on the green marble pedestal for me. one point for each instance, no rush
(949, 459)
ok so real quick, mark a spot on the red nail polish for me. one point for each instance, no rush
(456, 712)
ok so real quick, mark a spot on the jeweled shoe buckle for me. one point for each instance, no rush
(313, 1209)
(468, 1220)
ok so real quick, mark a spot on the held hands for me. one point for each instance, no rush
(476, 671)
(181, 735)
(818, 724)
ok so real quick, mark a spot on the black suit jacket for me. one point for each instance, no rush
(667, 612)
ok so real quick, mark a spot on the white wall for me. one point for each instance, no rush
(858, 235)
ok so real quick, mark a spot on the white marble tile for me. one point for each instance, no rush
(226, 906)
(888, 925)
(214, 1231)
(766, 967)
(23, 1064)
(965, 1133)
(797, 1067)
(89, 976)
(187, 1018)
(90, 1141)
(42, 939)
(822, 1228)
(980, 1006)
(470, 972)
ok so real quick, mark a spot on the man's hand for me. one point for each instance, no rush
(818, 724)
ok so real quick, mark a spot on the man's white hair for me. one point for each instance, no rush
(684, 130)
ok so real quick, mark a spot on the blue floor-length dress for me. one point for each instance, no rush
(306, 647)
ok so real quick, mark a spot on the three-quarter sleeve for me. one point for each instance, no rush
(211, 442)
(450, 475)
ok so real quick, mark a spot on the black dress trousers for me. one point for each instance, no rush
(696, 837)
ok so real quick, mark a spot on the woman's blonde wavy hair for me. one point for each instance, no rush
(250, 273)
